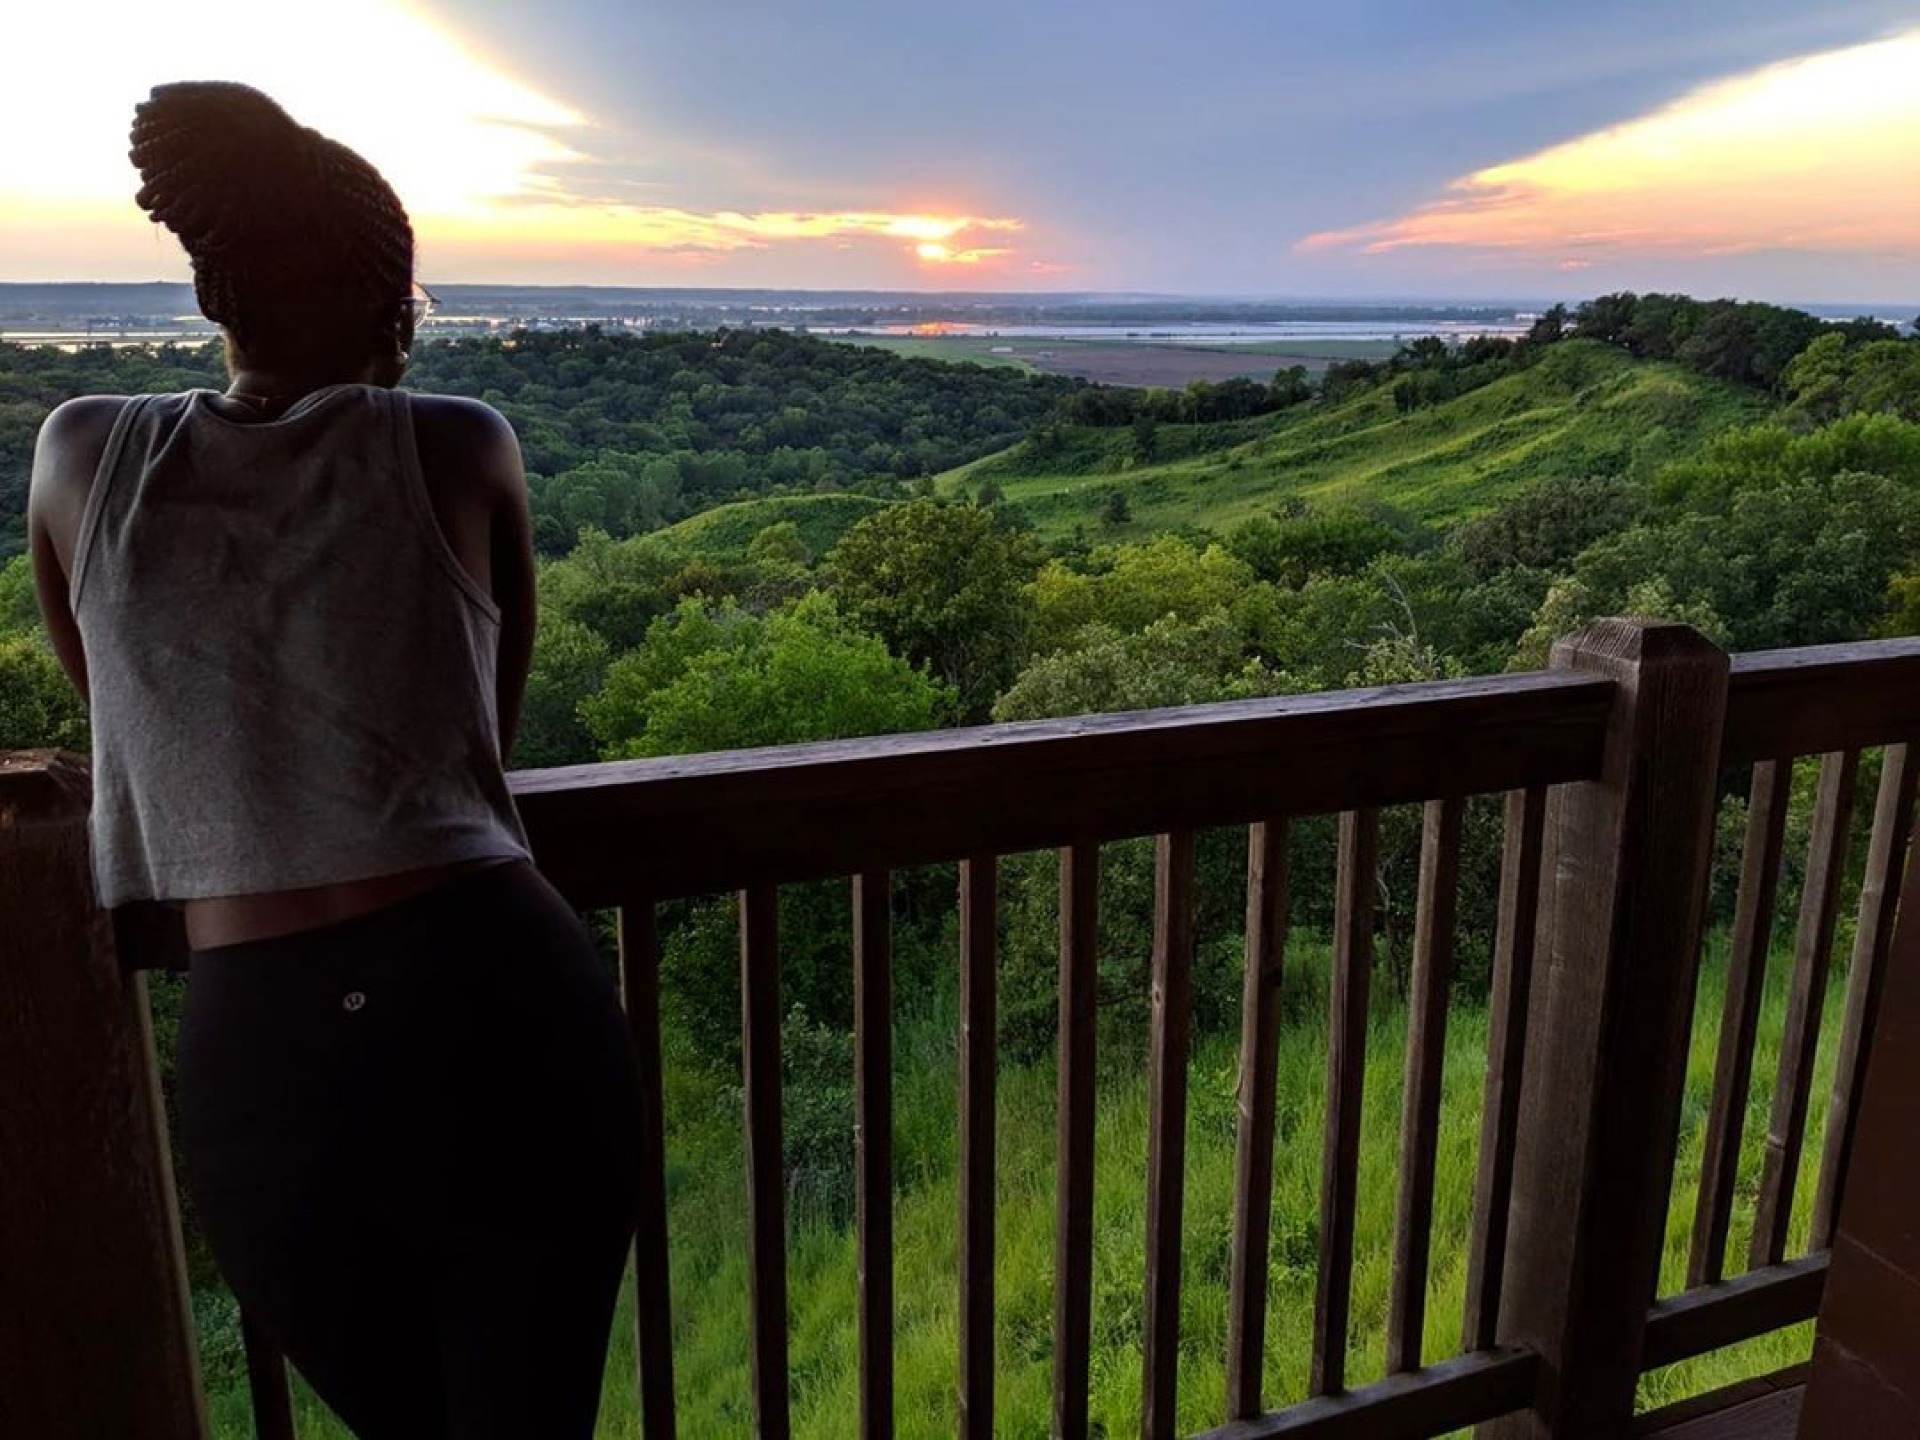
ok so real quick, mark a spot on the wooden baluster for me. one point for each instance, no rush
(978, 1039)
(1346, 1083)
(766, 1161)
(1426, 1058)
(639, 941)
(1253, 1146)
(1168, 1046)
(873, 1145)
(1813, 948)
(267, 1388)
(1740, 1016)
(1608, 1027)
(1873, 937)
(1506, 1058)
(1073, 1232)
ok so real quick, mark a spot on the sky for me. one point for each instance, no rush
(1276, 148)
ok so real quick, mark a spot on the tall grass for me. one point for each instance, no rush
(711, 1344)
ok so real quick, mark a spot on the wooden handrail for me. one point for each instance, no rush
(709, 823)
(1821, 698)
(1609, 768)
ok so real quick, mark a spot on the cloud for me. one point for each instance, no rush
(1814, 154)
(657, 232)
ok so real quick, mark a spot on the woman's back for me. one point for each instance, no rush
(268, 517)
(294, 676)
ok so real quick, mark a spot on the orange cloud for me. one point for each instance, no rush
(1812, 154)
(666, 231)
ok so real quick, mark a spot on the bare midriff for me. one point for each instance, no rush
(237, 919)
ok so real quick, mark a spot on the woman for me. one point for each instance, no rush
(302, 612)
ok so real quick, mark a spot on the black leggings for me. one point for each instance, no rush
(409, 1140)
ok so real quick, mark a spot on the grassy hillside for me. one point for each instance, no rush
(726, 531)
(1584, 408)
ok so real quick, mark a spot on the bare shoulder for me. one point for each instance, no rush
(72, 441)
(77, 430)
(468, 430)
(469, 457)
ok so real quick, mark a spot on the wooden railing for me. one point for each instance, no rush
(1610, 766)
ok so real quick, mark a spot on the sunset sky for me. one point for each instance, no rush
(1477, 148)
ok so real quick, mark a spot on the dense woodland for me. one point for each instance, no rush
(751, 538)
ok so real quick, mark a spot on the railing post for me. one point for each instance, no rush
(1866, 1360)
(1607, 1027)
(96, 1335)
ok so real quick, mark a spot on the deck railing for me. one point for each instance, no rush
(1610, 766)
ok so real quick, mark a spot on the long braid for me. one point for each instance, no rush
(284, 226)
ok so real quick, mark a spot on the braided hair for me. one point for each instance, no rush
(301, 251)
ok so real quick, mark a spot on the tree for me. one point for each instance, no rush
(780, 544)
(1292, 551)
(945, 587)
(1290, 387)
(569, 664)
(1171, 662)
(715, 678)
(38, 706)
(1546, 525)
(1550, 328)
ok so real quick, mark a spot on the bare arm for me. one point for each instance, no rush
(65, 459)
(511, 536)
(478, 484)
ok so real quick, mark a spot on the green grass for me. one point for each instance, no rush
(709, 1250)
(726, 531)
(1584, 409)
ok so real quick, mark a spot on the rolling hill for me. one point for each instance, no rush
(1584, 408)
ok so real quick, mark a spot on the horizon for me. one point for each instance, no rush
(1895, 308)
(1723, 147)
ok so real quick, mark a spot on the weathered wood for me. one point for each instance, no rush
(268, 1393)
(1346, 1086)
(1073, 1230)
(1822, 698)
(1608, 1028)
(1426, 1057)
(1873, 937)
(1866, 1360)
(639, 940)
(1170, 1041)
(1526, 817)
(766, 1160)
(1740, 1016)
(1766, 1407)
(1812, 952)
(1253, 1142)
(703, 823)
(1410, 1406)
(95, 1329)
(978, 1044)
(1729, 1311)
(873, 1145)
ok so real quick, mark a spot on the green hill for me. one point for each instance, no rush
(1584, 409)
(726, 531)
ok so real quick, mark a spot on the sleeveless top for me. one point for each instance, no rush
(292, 675)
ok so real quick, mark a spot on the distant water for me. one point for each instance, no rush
(1390, 327)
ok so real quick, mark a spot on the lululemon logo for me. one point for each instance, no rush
(355, 999)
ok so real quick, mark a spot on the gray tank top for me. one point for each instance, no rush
(292, 675)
